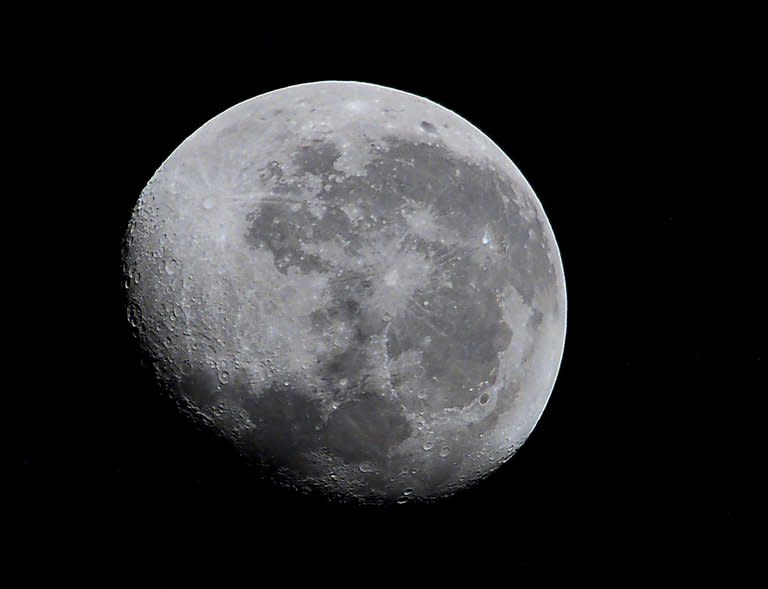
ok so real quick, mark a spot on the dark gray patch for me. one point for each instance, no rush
(370, 321)
(320, 320)
(200, 386)
(317, 159)
(440, 473)
(366, 429)
(465, 328)
(529, 267)
(428, 127)
(349, 364)
(349, 293)
(286, 424)
(467, 356)
(346, 293)
(333, 224)
(281, 230)
(427, 173)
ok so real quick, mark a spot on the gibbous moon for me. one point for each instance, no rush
(355, 286)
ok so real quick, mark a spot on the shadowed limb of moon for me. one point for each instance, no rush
(354, 285)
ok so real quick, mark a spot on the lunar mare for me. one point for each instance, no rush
(354, 285)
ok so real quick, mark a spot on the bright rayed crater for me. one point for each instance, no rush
(354, 285)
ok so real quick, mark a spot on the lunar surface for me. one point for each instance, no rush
(352, 284)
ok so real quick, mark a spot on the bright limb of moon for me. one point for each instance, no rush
(354, 285)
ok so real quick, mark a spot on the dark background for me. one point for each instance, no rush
(641, 462)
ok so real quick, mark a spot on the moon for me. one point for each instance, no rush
(355, 286)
